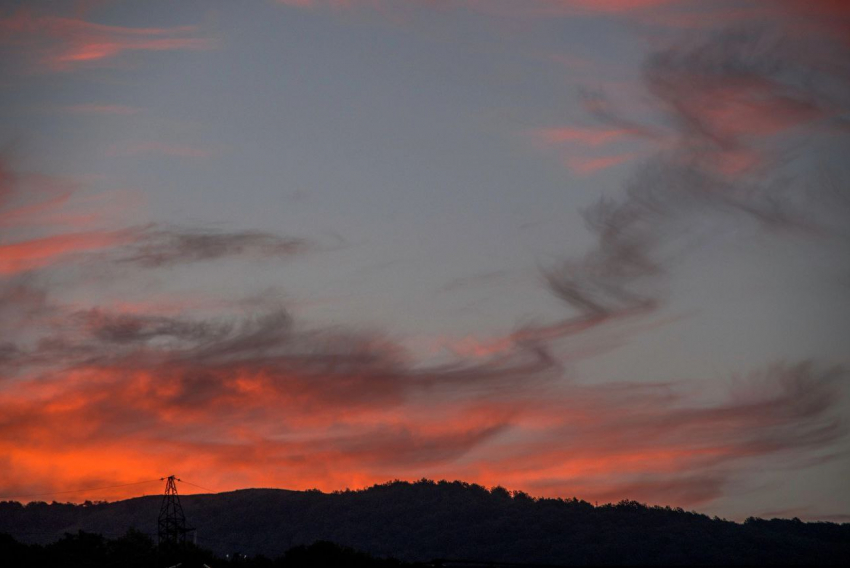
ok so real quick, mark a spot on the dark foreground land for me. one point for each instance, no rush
(423, 521)
(137, 550)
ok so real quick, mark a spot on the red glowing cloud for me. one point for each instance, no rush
(36, 253)
(43, 204)
(264, 403)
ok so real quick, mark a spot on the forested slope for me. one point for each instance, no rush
(427, 520)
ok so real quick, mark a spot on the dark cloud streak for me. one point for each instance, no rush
(162, 247)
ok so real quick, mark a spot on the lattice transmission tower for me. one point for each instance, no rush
(172, 521)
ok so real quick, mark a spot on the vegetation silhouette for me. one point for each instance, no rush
(137, 550)
(421, 521)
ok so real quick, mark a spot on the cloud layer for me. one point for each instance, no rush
(51, 42)
(92, 392)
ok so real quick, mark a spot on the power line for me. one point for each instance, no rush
(77, 490)
(196, 485)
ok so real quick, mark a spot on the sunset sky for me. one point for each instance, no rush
(590, 248)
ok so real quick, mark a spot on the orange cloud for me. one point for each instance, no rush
(263, 402)
(24, 214)
(92, 397)
(37, 253)
(32, 204)
(133, 432)
(35, 204)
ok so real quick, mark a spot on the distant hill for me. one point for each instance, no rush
(427, 520)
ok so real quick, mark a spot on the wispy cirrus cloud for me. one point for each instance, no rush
(34, 206)
(610, 6)
(43, 221)
(158, 246)
(289, 400)
(537, 8)
(732, 118)
(146, 387)
(587, 165)
(262, 399)
(581, 148)
(802, 18)
(59, 43)
(733, 115)
(731, 101)
(23, 256)
(585, 136)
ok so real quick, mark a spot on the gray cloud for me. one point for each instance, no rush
(734, 105)
(159, 247)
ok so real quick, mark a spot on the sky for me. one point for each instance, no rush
(590, 248)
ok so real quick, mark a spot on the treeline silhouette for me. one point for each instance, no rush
(137, 550)
(426, 520)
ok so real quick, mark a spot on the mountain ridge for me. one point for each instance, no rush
(423, 520)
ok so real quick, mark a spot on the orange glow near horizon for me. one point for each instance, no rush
(108, 426)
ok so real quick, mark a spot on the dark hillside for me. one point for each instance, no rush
(427, 520)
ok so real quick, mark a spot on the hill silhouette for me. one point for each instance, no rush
(427, 520)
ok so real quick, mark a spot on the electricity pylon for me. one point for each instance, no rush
(172, 521)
